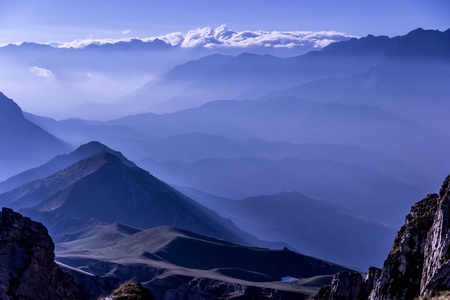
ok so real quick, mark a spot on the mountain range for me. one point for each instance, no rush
(104, 187)
(135, 139)
(138, 74)
(352, 186)
(53, 197)
(74, 201)
(313, 227)
(248, 75)
(76, 74)
(312, 158)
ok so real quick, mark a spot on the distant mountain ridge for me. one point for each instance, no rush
(432, 44)
(251, 76)
(285, 118)
(217, 38)
(349, 185)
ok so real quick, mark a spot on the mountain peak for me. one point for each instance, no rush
(93, 147)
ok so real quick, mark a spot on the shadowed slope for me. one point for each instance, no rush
(22, 143)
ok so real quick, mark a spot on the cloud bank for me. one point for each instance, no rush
(222, 36)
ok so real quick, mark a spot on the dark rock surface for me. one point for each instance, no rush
(183, 287)
(418, 264)
(27, 266)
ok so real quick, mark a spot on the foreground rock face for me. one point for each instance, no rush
(436, 268)
(418, 263)
(27, 266)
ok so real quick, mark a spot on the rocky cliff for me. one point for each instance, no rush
(27, 266)
(418, 264)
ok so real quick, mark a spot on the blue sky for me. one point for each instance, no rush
(66, 20)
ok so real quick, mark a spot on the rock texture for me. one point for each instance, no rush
(418, 264)
(130, 291)
(436, 267)
(27, 266)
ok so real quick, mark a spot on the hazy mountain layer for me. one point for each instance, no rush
(286, 119)
(313, 227)
(197, 145)
(250, 76)
(76, 77)
(23, 144)
(349, 185)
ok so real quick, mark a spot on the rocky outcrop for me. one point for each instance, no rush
(418, 263)
(348, 286)
(27, 266)
(130, 291)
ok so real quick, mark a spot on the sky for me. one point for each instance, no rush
(67, 20)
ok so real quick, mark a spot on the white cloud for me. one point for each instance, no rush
(41, 72)
(222, 36)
